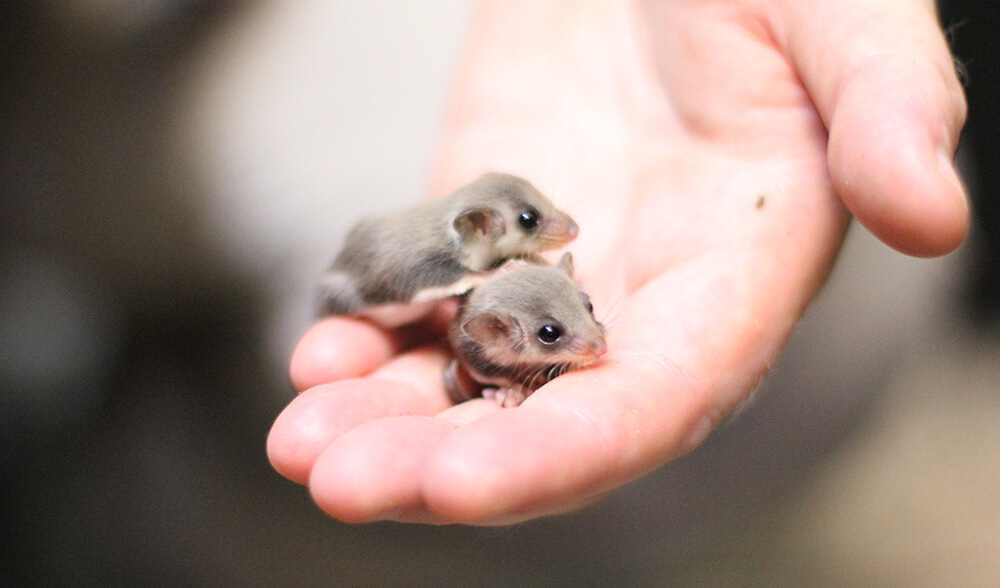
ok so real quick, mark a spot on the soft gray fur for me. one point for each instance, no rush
(427, 249)
(496, 338)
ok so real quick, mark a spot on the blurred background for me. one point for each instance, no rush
(174, 174)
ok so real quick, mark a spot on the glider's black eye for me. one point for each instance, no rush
(528, 219)
(588, 304)
(549, 334)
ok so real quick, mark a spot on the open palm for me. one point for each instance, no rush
(710, 152)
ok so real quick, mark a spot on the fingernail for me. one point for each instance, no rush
(948, 169)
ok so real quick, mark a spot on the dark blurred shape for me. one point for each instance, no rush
(973, 27)
(59, 337)
(129, 348)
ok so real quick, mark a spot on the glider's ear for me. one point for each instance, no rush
(480, 220)
(491, 328)
(566, 264)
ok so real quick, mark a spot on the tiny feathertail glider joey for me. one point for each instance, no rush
(440, 248)
(518, 330)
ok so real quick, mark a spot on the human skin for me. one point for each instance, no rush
(712, 152)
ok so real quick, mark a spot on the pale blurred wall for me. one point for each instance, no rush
(304, 116)
(174, 176)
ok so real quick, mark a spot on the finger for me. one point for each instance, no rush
(339, 348)
(410, 384)
(469, 411)
(883, 80)
(319, 415)
(372, 472)
(423, 370)
(375, 471)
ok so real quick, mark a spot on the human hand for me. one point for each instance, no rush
(710, 152)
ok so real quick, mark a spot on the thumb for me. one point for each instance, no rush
(882, 78)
